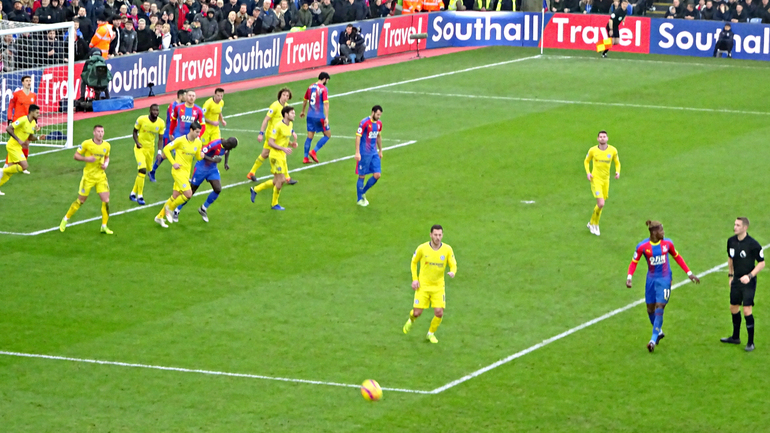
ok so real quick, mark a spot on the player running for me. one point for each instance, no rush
(181, 96)
(318, 116)
(433, 257)
(147, 130)
(96, 154)
(22, 133)
(613, 25)
(207, 170)
(368, 153)
(212, 114)
(18, 107)
(655, 250)
(272, 117)
(602, 156)
(282, 139)
(188, 149)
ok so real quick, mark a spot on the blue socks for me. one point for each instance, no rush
(652, 318)
(360, 187)
(321, 143)
(308, 142)
(210, 199)
(156, 164)
(657, 325)
(369, 183)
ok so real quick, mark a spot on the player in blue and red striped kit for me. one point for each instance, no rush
(317, 95)
(206, 170)
(368, 153)
(656, 250)
(180, 99)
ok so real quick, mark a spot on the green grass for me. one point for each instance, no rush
(320, 292)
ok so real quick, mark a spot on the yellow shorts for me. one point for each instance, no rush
(426, 298)
(266, 146)
(15, 154)
(145, 157)
(600, 188)
(279, 166)
(86, 184)
(181, 180)
(210, 134)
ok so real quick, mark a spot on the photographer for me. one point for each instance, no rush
(352, 44)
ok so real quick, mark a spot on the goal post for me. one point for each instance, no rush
(46, 54)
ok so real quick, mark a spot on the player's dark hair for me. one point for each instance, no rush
(180, 93)
(154, 106)
(287, 109)
(653, 225)
(195, 125)
(324, 76)
(376, 108)
(25, 77)
(219, 90)
(601, 132)
(33, 107)
(436, 227)
(280, 92)
(744, 220)
(233, 141)
(95, 126)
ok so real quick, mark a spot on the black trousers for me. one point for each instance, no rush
(724, 46)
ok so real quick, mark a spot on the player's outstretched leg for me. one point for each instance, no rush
(261, 187)
(413, 315)
(369, 183)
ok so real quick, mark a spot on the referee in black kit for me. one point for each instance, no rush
(613, 25)
(743, 252)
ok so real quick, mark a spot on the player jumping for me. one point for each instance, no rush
(318, 116)
(282, 139)
(147, 130)
(181, 97)
(22, 132)
(272, 117)
(433, 258)
(368, 153)
(656, 250)
(602, 155)
(188, 149)
(96, 154)
(207, 170)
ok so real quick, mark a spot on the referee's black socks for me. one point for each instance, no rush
(750, 328)
(737, 325)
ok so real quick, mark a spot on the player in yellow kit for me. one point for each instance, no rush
(602, 156)
(433, 258)
(96, 154)
(282, 139)
(272, 117)
(188, 149)
(21, 132)
(147, 130)
(212, 114)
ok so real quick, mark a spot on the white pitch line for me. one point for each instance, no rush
(199, 192)
(564, 101)
(683, 64)
(70, 148)
(345, 137)
(544, 343)
(190, 370)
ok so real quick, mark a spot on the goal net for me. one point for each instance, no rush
(46, 54)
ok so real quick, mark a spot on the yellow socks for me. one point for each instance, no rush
(596, 216)
(139, 184)
(257, 164)
(162, 212)
(73, 208)
(276, 193)
(10, 171)
(434, 324)
(263, 186)
(179, 200)
(105, 213)
(411, 316)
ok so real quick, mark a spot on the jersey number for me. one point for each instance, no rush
(666, 293)
(312, 98)
(657, 260)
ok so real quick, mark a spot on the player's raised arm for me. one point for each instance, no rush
(587, 164)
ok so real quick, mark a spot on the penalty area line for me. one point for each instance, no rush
(198, 371)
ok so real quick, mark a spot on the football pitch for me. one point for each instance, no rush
(268, 321)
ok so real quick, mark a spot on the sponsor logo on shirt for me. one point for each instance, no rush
(743, 254)
(657, 260)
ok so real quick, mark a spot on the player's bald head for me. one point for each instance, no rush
(231, 143)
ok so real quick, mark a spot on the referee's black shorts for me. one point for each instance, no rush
(743, 294)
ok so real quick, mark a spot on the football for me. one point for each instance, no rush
(371, 390)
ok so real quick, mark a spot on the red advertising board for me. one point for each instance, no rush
(302, 50)
(194, 67)
(394, 37)
(583, 32)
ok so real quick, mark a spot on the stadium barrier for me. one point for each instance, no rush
(261, 56)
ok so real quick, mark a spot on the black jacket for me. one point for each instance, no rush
(226, 29)
(128, 41)
(146, 39)
(19, 16)
(341, 11)
(86, 27)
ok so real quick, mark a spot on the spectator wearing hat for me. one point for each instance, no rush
(18, 13)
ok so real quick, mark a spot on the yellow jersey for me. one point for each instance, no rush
(432, 265)
(186, 152)
(602, 160)
(149, 131)
(274, 112)
(93, 170)
(23, 128)
(211, 112)
(282, 134)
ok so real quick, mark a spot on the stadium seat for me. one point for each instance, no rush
(756, 21)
